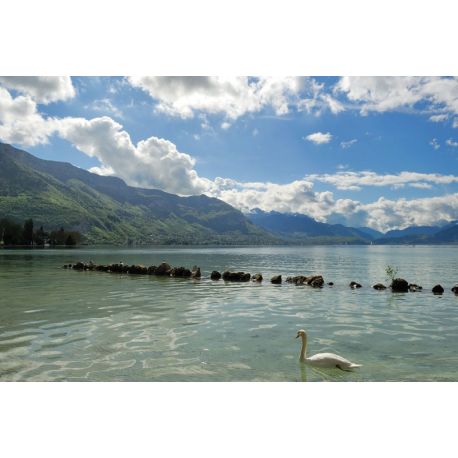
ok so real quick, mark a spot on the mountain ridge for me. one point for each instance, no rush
(107, 210)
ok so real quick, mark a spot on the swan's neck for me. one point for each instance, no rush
(303, 349)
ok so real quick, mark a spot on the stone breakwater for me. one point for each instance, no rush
(398, 285)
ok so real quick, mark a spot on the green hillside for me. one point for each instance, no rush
(106, 210)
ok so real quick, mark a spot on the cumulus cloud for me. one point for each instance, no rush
(346, 180)
(319, 138)
(315, 99)
(385, 214)
(452, 143)
(388, 93)
(233, 97)
(348, 144)
(151, 163)
(42, 89)
(21, 122)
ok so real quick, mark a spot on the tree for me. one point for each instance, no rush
(70, 241)
(27, 232)
(40, 236)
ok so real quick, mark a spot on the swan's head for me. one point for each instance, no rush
(301, 333)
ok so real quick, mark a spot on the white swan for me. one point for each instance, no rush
(328, 360)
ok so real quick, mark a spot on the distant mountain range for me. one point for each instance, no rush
(302, 228)
(106, 210)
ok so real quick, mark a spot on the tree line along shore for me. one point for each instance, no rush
(12, 234)
(397, 285)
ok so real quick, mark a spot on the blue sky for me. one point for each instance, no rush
(381, 152)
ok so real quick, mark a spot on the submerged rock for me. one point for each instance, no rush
(315, 281)
(399, 285)
(354, 285)
(330, 283)
(215, 275)
(138, 269)
(438, 289)
(414, 288)
(236, 276)
(379, 286)
(257, 277)
(180, 272)
(297, 280)
(276, 279)
(79, 265)
(163, 269)
(455, 289)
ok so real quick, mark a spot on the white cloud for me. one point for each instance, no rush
(452, 143)
(387, 93)
(315, 99)
(434, 143)
(348, 144)
(225, 125)
(152, 163)
(385, 214)
(455, 123)
(20, 121)
(319, 138)
(438, 118)
(105, 106)
(355, 180)
(255, 132)
(233, 97)
(42, 89)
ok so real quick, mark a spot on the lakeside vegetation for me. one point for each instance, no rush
(14, 234)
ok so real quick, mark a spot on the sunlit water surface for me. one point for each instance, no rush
(64, 325)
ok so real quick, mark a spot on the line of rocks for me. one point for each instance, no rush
(163, 269)
(398, 285)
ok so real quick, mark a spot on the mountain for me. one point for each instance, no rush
(412, 230)
(370, 232)
(299, 227)
(106, 210)
(424, 235)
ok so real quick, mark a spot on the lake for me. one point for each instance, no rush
(66, 325)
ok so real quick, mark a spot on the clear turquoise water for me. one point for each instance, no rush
(63, 325)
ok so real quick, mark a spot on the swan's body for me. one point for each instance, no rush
(324, 360)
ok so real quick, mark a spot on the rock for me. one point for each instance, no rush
(215, 275)
(379, 286)
(455, 289)
(413, 287)
(236, 276)
(354, 285)
(79, 266)
(399, 285)
(195, 273)
(315, 281)
(137, 269)
(330, 283)
(298, 280)
(65, 266)
(276, 279)
(163, 269)
(438, 289)
(181, 272)
(257, 277)
(152, 270)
